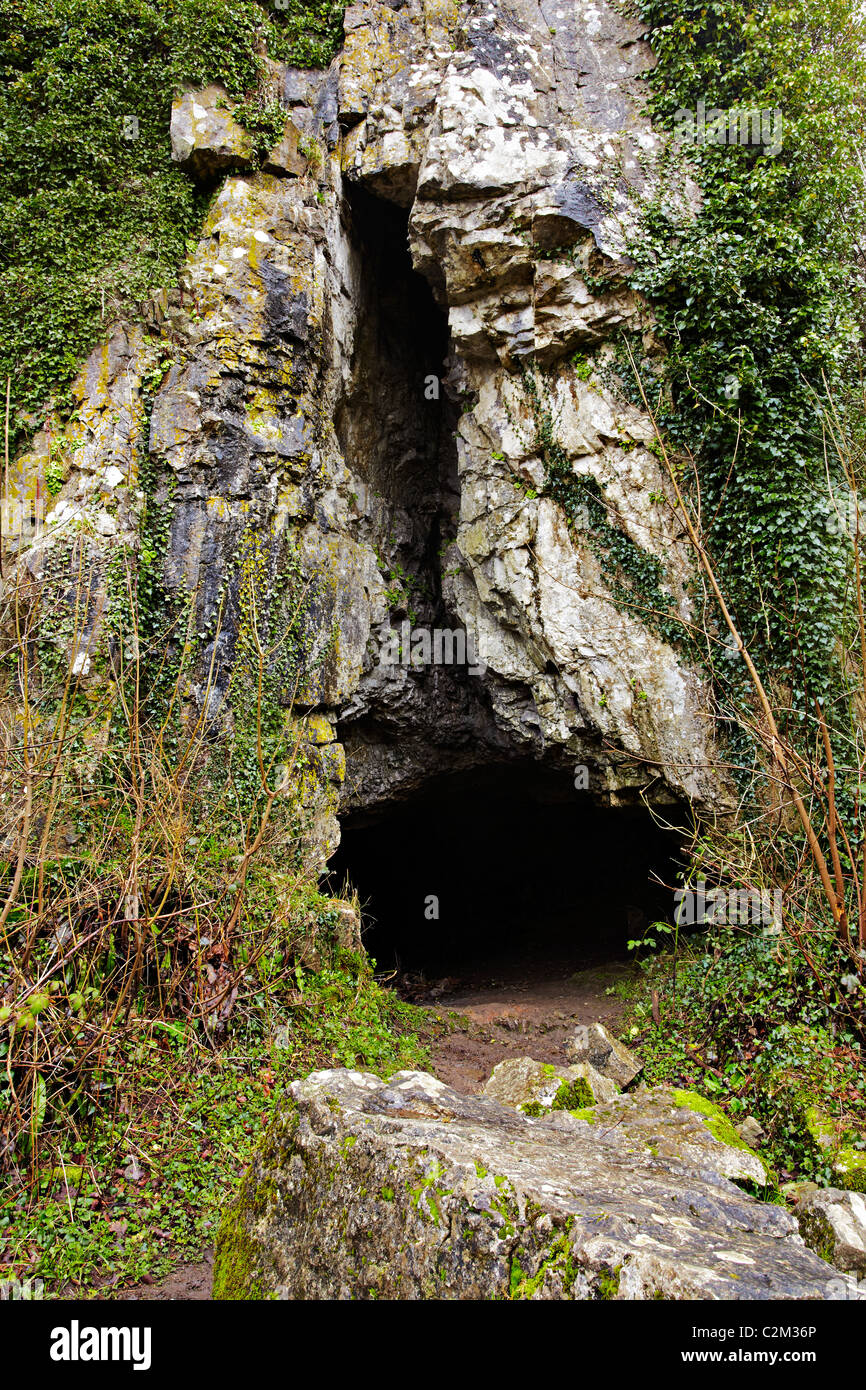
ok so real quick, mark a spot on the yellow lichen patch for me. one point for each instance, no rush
(263, 417)
(440, 15)
(318, 729)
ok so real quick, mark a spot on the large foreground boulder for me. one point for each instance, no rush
(404, 1189)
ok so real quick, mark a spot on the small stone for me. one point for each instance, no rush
(112, 477)
(751, 1132)
(281, 1038)
(604, 1052)
(798, 1191)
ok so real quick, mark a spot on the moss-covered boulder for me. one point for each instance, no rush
(537, 1087)
(405, 1189)
(849, 1168)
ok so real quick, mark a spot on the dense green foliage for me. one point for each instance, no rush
(757, 301)
(191, 1119)
(758, 298)
(93, 213)
(759, 1025)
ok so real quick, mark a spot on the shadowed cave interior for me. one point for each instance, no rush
(529, 876)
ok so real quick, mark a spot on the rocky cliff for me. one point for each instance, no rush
(394, 350)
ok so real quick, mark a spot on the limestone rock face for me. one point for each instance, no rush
(533, 1087)
(405, 1189)
(358, 368)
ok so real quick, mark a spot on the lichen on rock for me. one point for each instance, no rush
(538, 1087)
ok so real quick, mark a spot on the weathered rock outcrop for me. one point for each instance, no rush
(206, 137)
(683, 1125)
(666, 1122)
(405, 1189)
(342, 375)
(833, 1223)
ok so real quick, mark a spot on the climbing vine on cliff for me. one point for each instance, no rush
(635, 579)
(758, 294)
(759, 297)
(93, 212)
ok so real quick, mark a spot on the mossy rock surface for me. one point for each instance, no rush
(673, 1123)
(536, 1088)
(849, 1168)
(405, 1189)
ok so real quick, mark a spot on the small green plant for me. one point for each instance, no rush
(264, 121)
(311, 150)
(648, 942)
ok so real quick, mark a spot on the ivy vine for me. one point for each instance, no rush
(757, 297)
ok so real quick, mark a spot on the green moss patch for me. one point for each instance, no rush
(574, 1095)
(717, 1122)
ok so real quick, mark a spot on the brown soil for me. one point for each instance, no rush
(533, 1019)
(473, 1025)
(188, 1282)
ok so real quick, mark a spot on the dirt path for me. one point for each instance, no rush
(479, 1023)
(528, 1019)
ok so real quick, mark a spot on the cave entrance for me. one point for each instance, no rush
(394, 420)
(504, 872)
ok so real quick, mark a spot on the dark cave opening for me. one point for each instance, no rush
(493, 864)
(396, 419)
(504, 871)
